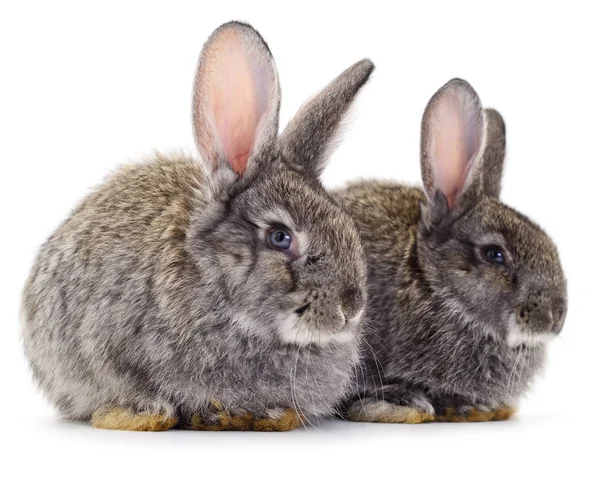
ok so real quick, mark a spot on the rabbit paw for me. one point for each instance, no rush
(278, 420)
(413, 412)
(127, 420)
(474, 414)
(218, 419)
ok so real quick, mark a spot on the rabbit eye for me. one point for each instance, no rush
(281, 239)
(494, 254)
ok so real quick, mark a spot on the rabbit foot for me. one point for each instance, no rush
(221, 420)
(126, 420)
(279, 420)
(218, 419)
(474, 414)
(503, 413)
(383, 411)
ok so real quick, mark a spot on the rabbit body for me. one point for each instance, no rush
(223, 294)
(423, 353)
(464, 292)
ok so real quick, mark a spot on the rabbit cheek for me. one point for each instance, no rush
(499, 282)
(276, 273)
(239, 266)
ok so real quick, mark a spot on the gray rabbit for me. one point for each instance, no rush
(464, 291)
(218, 294)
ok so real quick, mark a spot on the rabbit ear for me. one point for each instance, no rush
(236, 99)
(311, 134)
(452, 144)
(495, 150)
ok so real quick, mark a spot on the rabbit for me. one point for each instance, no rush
(217, 294)
(464, 292)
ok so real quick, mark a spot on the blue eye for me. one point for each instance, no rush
(281, 239)
(494, 254)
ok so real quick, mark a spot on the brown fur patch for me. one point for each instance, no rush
(286, 422)
(475, 415)
(124, 420)
(503, 413)
(247, 422)
(225, 422)
(400, 415)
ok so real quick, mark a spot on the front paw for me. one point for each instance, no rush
(278, 420)
(475, 413)
(375, 410)
(124, 419)
(219, 419)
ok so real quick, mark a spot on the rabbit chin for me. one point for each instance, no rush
(518, 336)
(295, 331)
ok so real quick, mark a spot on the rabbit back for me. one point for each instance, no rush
(92, 288)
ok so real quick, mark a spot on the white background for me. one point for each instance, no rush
(85, 87)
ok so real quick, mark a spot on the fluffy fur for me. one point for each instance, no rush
(160, 296)
(451, 333)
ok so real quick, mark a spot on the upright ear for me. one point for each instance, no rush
(452, 145)
(312, 133)
(495, 150)
(236, 101)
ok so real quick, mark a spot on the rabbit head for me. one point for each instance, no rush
(281, 254)
(484, 260)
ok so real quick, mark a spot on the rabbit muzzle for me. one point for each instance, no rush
(325, 317)
(538, 319)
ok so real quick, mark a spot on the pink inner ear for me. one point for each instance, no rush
(240, 100)
(455, 144)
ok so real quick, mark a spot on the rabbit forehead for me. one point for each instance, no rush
(303, 205)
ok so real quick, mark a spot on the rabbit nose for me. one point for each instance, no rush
(351, 303)
(535, 318)
(539, 315)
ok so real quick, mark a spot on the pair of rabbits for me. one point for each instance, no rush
(236, 293)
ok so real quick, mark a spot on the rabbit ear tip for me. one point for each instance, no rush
(366, 63)
(459, 83)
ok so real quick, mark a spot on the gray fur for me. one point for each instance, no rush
(495, 152)
(438, 327)
(312, 133)
(160, 292)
